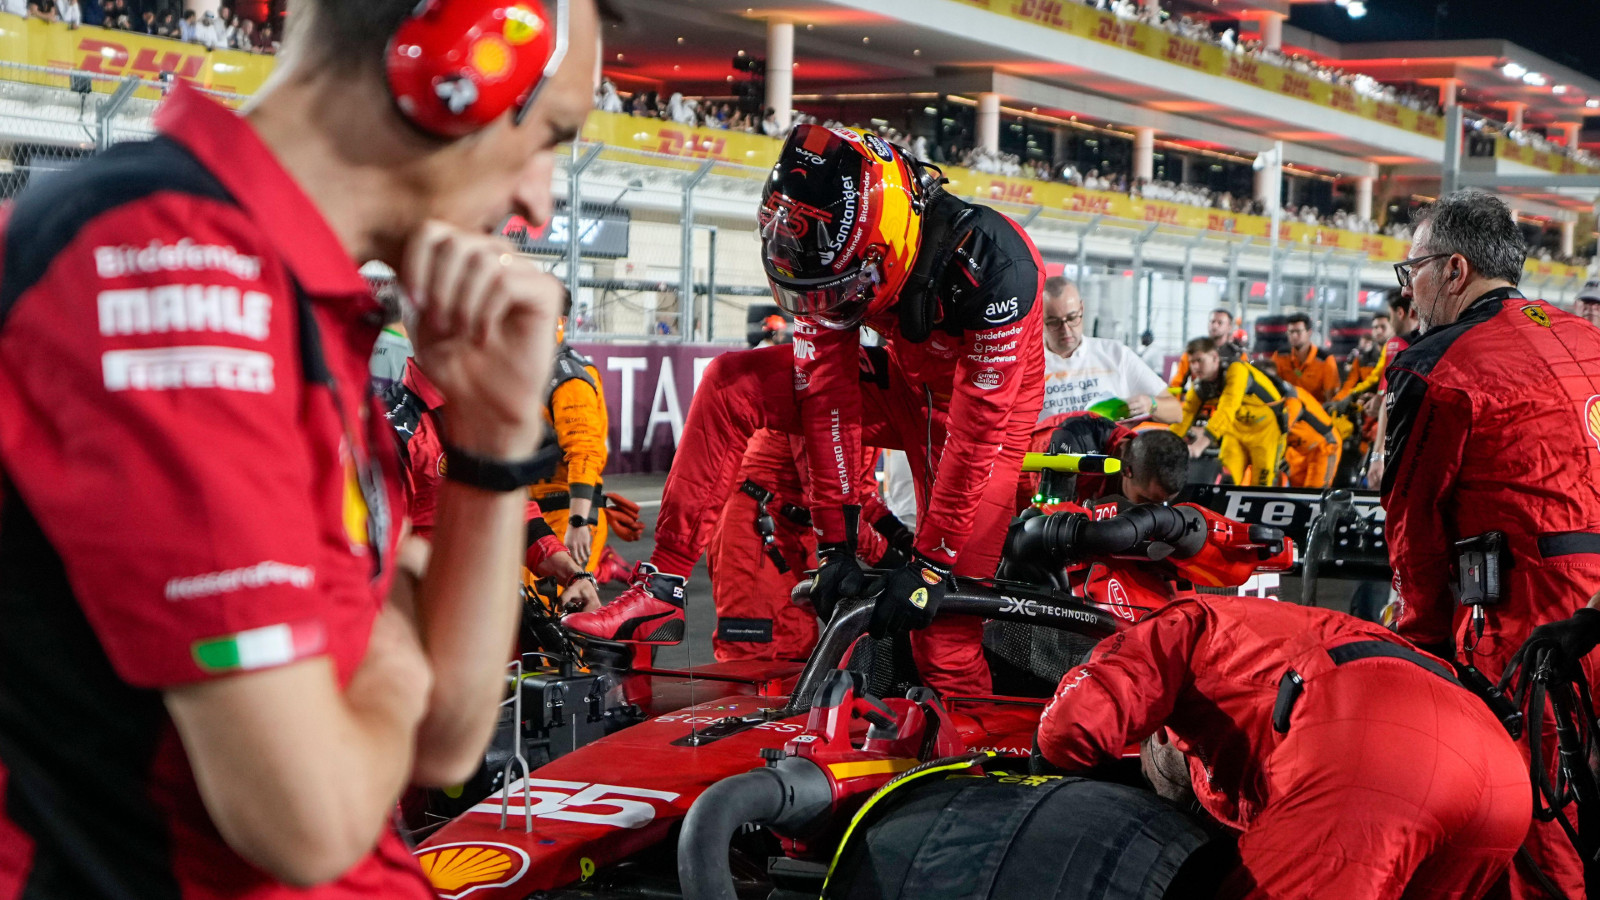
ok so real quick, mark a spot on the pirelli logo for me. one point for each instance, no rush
(176, 368)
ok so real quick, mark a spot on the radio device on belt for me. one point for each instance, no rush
(1479, 582)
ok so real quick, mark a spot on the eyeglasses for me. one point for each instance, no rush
(1403, 269)
(1053, 322)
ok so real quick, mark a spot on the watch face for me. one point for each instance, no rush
(577, 522)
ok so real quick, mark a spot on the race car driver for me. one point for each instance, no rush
(1082, 372)
(1219, 328)
(1247, 424)
(1493, 438)
(414, 407)
(855, 233)
(1352, 765)
(578, 424)
(1304, 364)
(1155, 462)
(209, 689)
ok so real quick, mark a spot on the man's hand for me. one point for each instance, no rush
(1570, 640)
(1140, 406)
(579, 542)
(838, 576)
(580, 595)
(910, 598)
(1199, 445)
(485, 334)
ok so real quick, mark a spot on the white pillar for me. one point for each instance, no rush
(1448, 88)
(1568, 234)
(201, 7)
(1151, 6)
(1269, 181)
(780, 70)
(1364, 196)
(1573, 132)
(1272, 30)
(1144, 153)
(989, 121)
(1514, 114)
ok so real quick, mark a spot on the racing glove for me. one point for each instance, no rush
(1570, 639)
(839, 573)
(910, 598)
(894, 531)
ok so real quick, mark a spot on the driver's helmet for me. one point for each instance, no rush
(841, 219)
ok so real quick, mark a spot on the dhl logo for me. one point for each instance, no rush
(678, 143)
(1045, 12)
(1166, 215)
(1124, 33)
(1089, 204)
(1372, 245)
(1215, 222)
(1010, 191)
(1541, 160)
(1183, 53)
(111, 58)
(1429, 126)
(1297, 86)
(1388, 115)
(1343, 98)
(1327, 237)
(1244, 70)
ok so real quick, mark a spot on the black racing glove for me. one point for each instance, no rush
(838, 576)
(1570, 639)
(910, 598)
(900, 537)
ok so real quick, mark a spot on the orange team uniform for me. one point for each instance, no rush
(1365, 370)
(1316, 371)
(576, 414)
(1313, 445)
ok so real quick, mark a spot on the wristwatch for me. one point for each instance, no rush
(578, 522)
(496, 474)
(583, 575)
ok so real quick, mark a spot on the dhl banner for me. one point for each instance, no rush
(1157, 43)
(34, 42)
(1559, 163)
(630, 133)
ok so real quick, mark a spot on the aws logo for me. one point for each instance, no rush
(1001, 311)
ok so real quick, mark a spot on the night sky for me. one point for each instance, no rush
(1566, 31)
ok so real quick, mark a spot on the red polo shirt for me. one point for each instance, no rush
(194, 482)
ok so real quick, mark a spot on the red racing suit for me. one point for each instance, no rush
(194, 483)
(1381, 774)
(1494, 425)
(962, 401)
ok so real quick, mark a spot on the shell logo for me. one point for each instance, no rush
(456, 870)
(491, 57)
(1591, 419)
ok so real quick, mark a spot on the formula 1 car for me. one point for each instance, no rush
(782, 781)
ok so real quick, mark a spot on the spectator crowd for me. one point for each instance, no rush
(158, 18)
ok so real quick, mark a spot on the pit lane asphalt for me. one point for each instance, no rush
(696, 648)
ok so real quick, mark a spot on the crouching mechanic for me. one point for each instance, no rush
(1247, 422)
(207, 687)
(413, 405)
(856, 233)
(1353, 765)
(1155, 462)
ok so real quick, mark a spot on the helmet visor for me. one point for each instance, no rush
(836, 301)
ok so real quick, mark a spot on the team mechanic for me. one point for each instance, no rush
(763, 544)
(1247, 423)
(414, 407)
(1219, 328)
(207, 689)
(1353, 765)
(1155, 462)
(1493, 441)
(855, 233)
(575, 413)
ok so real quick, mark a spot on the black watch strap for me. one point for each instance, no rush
(498, 474)
(577, 522)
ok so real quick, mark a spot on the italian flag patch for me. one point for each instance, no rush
(260, 648)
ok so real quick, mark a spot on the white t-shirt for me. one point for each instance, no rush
(1099, 370)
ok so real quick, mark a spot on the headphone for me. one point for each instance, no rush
(455, 66)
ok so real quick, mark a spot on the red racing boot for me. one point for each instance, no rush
(650, 611)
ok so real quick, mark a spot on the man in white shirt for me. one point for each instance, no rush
(1082, 371)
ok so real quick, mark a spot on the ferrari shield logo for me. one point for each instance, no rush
(919, 598)
(1537, 315)
(456, 870)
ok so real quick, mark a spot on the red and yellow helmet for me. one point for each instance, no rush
(841, 220)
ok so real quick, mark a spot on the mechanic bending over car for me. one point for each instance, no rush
(856, 233)
(207, 687)
(763, 543)
(414, 406)
(1351, 764)
(1493, 444)
(1247, 423)
(1155, 462)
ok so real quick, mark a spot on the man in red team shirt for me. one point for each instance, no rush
(207, 687)
(854, 233)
